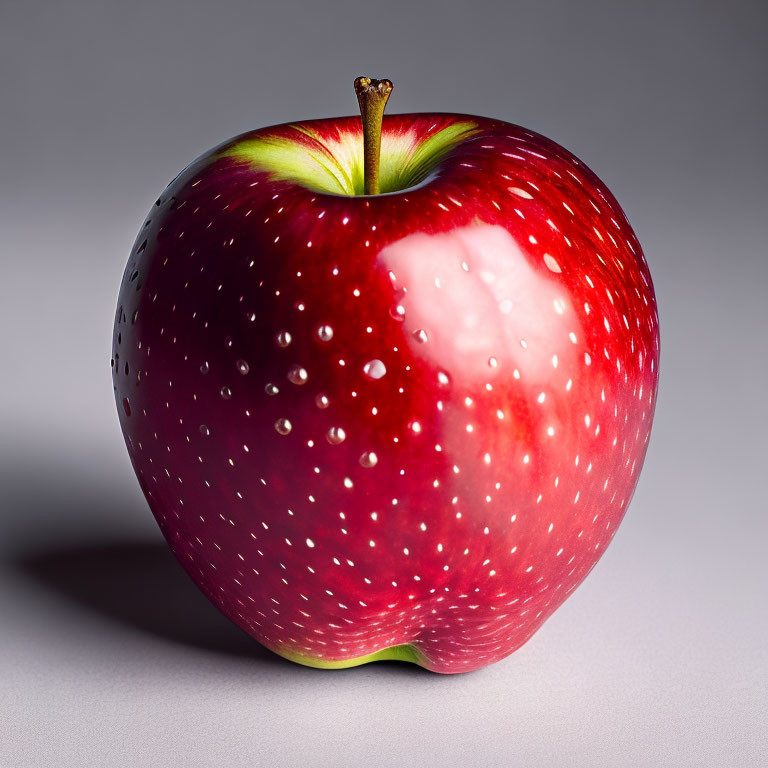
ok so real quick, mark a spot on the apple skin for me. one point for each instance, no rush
(493, 341)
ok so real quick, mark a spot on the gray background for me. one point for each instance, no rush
(109, 656)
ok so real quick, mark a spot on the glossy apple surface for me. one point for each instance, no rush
(393, 426)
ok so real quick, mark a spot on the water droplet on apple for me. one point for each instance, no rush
(493, 362)
(283, 339)
(325, 333)
(322, 401)
(369, 459)
(420, 335)
(374, 369)
(204, 431)
(283, 426)
(398, 312)
(298, 375)
(126, 406)
(415, 427)
(336, 435)
(271, 389)
(443, 379)
(204, 368)
(243, 367)
(226, 393)
(228, 342)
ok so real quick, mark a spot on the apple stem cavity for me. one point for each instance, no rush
(372, 95)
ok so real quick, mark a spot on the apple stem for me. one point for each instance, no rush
(372, 96)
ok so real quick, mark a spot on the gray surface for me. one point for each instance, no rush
(109, 657)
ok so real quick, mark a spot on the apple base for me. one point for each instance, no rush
(404, 652)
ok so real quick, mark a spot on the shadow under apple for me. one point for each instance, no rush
(139, 584)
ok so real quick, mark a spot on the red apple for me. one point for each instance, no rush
(398, 425)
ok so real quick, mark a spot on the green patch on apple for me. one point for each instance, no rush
(404, 652)
(337, 167)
